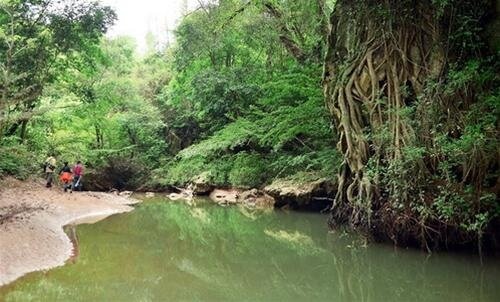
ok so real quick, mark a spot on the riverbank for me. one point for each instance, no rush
(32, 219)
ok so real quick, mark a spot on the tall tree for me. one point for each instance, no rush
(38, 39)
(390, 81)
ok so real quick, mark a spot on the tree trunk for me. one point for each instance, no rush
(286, 35)
(24, 130)
(99, 136)
(385, 66)
(376, 64)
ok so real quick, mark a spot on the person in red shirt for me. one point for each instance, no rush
(77, 176)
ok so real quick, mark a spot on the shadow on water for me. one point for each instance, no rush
(165, 251)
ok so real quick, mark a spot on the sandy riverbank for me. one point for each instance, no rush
(31, 221)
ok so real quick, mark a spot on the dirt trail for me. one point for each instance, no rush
(31, 221)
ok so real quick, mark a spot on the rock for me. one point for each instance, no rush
(174, 196)
(200, 185)
(94, 181)
(177, 196)
(251, 198)
(125, 193)
(184, 194)
(150, 194)
(256, 198)
(308, 194)
(225, 197)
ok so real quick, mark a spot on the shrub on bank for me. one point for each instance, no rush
(17, 161)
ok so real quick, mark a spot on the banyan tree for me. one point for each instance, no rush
(412, 87)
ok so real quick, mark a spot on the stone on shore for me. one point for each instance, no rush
(257, 198)
(250, 198)
(225, 197)
(200, 185)
(309, 194)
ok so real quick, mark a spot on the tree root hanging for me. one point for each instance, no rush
(367, 97)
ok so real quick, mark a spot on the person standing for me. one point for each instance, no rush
(65, 175)
(77, 176)
(50, 166)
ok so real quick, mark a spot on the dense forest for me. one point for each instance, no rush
(394, 103)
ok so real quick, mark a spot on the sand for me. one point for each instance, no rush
(32, 219)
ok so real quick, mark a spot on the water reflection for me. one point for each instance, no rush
(173, 252)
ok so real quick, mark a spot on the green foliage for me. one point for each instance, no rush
(42, 42)
(456, 207)
(39, 40)
(248, 169)
(304, 125)
(449, 204)
(285, 132)
(18, 161)
(234, 135)
(219, 97)
(323, 163)
(467, 145)
(181, 172)
(259, 114)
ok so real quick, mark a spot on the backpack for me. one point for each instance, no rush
(48, 165)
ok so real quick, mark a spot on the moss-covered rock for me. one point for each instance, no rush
(201, 184)
(307, 194)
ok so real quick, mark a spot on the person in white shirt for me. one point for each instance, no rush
(50, 166)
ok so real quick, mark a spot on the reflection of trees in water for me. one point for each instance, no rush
(339, 267)
(233, 247)
(379, 273)
(357, 278)
(230, 256)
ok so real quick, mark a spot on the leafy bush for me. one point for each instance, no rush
(249, 170)
(233, 135)
(18, 161)
(180, 172)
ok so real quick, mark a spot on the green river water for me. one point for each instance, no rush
(168, 251)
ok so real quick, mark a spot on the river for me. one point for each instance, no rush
(170, 251)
